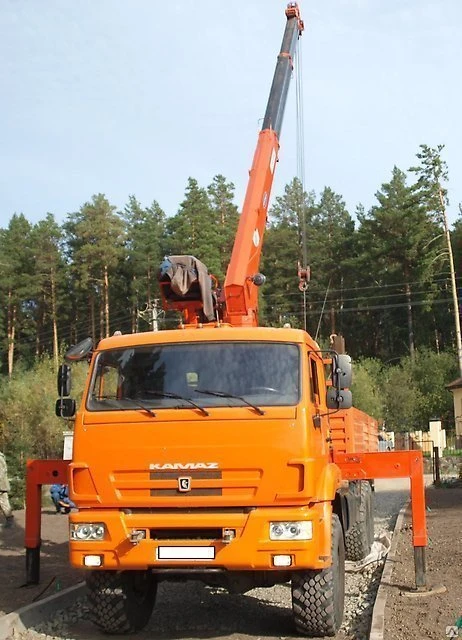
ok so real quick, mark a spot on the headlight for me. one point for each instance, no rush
(291, 530)
(88, 531)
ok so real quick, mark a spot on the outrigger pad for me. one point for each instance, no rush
(189, 280)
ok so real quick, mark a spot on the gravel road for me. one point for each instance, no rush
(190, 610)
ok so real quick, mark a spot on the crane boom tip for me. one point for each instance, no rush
(293, 11)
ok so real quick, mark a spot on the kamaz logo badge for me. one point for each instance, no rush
(183, 466)
(184, 484)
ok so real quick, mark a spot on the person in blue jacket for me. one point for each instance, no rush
(60, 496)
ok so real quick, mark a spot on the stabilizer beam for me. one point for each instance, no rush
(38, 473)
(397, 464)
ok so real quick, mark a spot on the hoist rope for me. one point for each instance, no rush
(301, 162)
(322, 311)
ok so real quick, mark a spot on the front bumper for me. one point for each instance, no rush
(251, 549)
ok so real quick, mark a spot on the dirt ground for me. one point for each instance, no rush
(55, 572)
(428, 616)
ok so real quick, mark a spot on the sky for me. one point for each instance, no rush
(134, 96)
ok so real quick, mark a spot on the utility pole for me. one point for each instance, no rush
(151, 314)
(432, 172)
(453, 279)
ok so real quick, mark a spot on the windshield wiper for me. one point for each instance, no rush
(223, 394)
(136, 402)
(176, 396)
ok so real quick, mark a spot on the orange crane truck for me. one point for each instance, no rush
(221, 450)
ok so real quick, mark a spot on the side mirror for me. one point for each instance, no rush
(64, 380)
(339, 398)
(79, 351)
(65, 407)
(341, 371)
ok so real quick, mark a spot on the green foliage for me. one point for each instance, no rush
(400, 249)
(367, 387)
(407, 395)
(225, 217)
(145, 246)
(383, 284)
(28, 425)
(283, 248)
(431, 173)
(95, 247)
(416, 393)
(431, 372)
(402, 401)
(193, 230)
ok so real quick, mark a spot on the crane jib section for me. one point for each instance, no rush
(240, 288)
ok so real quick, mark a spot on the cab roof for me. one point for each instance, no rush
(208, 334)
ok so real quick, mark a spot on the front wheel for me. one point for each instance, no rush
(318, 595)
(121, 601)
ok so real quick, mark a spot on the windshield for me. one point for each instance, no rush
(211, 374)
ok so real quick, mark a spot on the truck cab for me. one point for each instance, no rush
(204, 452)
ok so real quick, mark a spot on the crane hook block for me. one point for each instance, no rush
(304, 275)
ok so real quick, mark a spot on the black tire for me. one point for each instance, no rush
(358, 538)
(318, 595)
(121, 601)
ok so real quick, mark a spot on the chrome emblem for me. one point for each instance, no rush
(184, 483)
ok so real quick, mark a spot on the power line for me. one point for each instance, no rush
(371, 308)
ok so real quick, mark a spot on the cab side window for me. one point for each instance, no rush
(314, 381)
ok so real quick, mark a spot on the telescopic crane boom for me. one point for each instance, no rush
(242, 278)
(184, 280)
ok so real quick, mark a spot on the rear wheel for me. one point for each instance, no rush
(359, 537)
(121, 601)
(318, 595)
(370, 517)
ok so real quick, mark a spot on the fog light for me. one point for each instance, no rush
(137, 535)
(282, 561)
(93, 561)
(228, 535)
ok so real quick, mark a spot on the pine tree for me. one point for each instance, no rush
(401, 250)
(49, 270)
(282, 251)
(333, 232)
(95, 240)
(225, 216)
(145, 246)
(18, 288)
(193, 230)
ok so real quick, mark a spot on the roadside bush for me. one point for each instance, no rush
(28, 425)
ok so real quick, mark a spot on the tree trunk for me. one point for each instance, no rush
(148, 288)
(40, 325)
(11, 333)
(134, 307)
(92, 317)
(54, 318)
(410, 325)
(106, 302)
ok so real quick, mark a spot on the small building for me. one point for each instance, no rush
(455, 388)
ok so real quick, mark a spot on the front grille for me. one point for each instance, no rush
(194, 475)
(186, 534)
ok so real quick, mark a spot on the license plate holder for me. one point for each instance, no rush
(179, 553)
